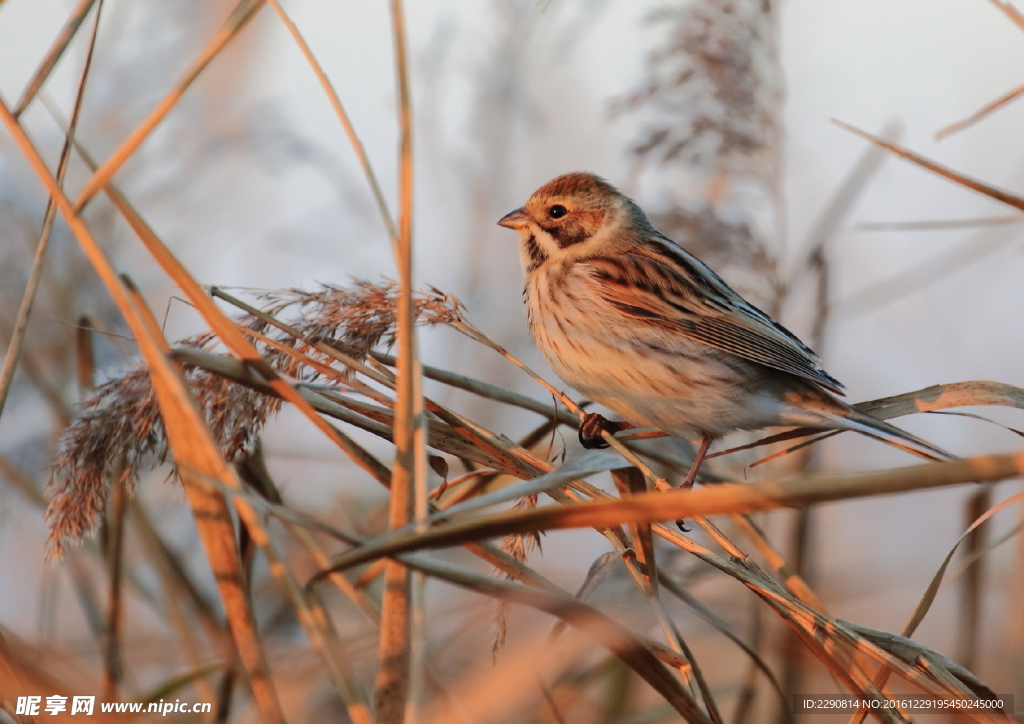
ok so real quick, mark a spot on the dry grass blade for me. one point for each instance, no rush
(54, 55)
(933, 588)
(373, 419)
(725, 629)
(212, 515)
(350, 131)
(629, 482)
(718, 500)
(981, 113)
(491, 392)
(970, 560)
(587, 464)
(224, 327)
(197, 472)
(1011, 12)
(941, 397)
(496, 557)
(794, 583)
(606, 631)
(1007, 198)
(36, 274)
(1015, 431)
(198, 457)
(911, 651)
(241, 15)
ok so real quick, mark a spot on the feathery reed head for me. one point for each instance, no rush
(120, 432)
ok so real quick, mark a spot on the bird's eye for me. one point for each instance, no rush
(557, 211)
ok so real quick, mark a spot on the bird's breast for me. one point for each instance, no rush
(647, 375)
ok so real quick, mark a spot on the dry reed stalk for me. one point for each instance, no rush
(973, 582)
(224, 327)
(399, 682)
(53, 56)
(36, 274)
(489, 391)
(239, 17)
(346, 123)
(963, 394)
(979, 114)
(629, 482)
(1011, 12)
(212, 515)
(806, 623)
(113, 663)
(316, 625)
(999, 195)
(179, 592)
(813, 261)
(198, 457)
(929, 596)
(717, 500)
(610, 634)
(1015, 616)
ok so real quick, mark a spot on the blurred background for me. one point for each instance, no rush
(713, 114)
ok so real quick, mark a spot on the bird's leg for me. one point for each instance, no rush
(593, 425)
(691, 477)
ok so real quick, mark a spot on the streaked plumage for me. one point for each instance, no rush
(636, 323)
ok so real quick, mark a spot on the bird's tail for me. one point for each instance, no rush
(853, 419)
(836, 414)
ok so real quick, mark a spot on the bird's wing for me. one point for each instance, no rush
(675, 292)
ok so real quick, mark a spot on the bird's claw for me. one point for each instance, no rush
(594, 425)
(591, 429)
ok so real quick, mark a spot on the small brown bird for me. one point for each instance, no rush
(639, 325)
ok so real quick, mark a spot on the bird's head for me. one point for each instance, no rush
(572, 214)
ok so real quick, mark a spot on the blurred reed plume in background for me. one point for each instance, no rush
(440, 548)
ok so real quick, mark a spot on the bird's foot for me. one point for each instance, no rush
(691, 476)
(594, 425)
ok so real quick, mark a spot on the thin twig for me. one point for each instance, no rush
(28, 299)
(241, 15)
(53, 56)
(979, 114)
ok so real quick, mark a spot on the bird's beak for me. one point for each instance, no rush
(514, 219)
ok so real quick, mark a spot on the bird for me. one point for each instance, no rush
(634, 322)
